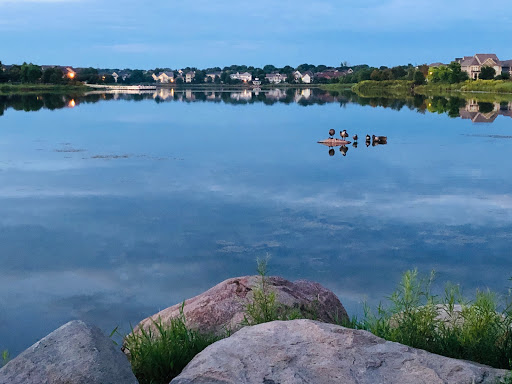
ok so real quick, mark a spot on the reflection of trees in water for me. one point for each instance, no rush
(28, 103)
(485, 107)
(452, 106)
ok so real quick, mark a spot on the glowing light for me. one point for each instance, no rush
(71, 75)
(71, 103)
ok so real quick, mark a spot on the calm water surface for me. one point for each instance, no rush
(117, 208)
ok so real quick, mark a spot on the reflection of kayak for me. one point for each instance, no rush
(334, 142)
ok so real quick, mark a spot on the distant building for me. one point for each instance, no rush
(472, 65)
(245, 77)
(190, 76)
(307, 77)
(115, 76)
(164, 77)
(213, 75)
(275, 78)
(332, 73)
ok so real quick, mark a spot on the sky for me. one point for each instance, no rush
(145, 35)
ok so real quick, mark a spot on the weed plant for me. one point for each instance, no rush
(159, 353)
(4, 359)
(478, 330)
(265, 308)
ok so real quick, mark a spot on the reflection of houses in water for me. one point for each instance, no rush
(302, 94)
(189, 95)
(245, 95)
(276, 94)
(481, 112)
(164, 93)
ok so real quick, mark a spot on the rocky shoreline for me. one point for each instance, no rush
(295, 351)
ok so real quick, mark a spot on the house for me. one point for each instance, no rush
(506, 67)
(125, 75)
(190, 76)
(256, 82)
(275, 78)
(436, 65)
(69, 72)
(164, 77)
(472, 65)
(333, 73)
(245, 77)
(212, 75)
(297, 75)
(307, 77)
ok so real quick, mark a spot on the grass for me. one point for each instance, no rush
(388, 88)
(4, 358)
(6, 89)
(481, 331)
(160, 354)
(484, 90)
(264, 307)
(478, 330)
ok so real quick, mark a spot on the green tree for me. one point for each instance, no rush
(487, 73)
(199, 78)
(4, 77)
(419, 78)
(137, 77)
(30, 73)
(15, 74)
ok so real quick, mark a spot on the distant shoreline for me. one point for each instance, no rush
(479, 89)
(6, 89)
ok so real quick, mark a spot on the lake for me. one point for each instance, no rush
(114, 207)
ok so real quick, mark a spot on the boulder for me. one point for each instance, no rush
(76, 353)
(305, 351)
(221, 309)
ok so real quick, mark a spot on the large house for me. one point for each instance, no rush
(190, 76)
(275, 78)
(245, 77)
(472, 65)
(164, 77)
(212, 75)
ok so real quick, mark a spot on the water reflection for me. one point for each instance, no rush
(476, 110)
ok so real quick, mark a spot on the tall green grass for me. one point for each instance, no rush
(479, 330)
(264, 306)
(4, 358)
(158, 354)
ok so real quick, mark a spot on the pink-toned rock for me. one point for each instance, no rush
(221, 309)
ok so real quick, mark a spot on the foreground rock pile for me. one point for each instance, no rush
(221, 309)
(76, 353)
(305, 351)
(280, 352)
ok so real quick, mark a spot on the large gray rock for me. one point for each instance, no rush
(222, 308)
(76, 353)
(305, 351)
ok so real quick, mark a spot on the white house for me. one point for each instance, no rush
(189, 76)
(245, 77)
(307, 77)
(164, 77)
(275, 78)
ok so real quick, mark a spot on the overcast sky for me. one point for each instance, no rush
(139, 34)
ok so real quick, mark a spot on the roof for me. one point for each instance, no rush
(191, 73)
(167, 73)
(482, 57)
(468, 60)
(434, 65)
(506, 63)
